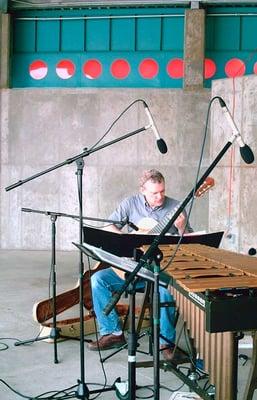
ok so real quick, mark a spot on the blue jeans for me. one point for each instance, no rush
(104, 283)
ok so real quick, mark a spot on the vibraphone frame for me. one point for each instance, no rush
(218, 349)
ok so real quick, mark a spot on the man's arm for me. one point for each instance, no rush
(180, 224)
(121, 213)
(112, 228)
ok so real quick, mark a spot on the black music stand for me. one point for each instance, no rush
(124, 245)
(146, 273)
(55, 331)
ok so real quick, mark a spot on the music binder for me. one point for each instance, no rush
(125, 243)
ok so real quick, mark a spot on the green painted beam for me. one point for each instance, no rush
(3, 6)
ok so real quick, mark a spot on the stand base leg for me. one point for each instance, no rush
(54, 334)
(84, 393)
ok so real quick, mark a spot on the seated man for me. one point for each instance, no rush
(152, 203)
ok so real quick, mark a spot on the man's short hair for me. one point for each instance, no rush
(151, 175)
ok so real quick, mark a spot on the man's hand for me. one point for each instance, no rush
(180, 223)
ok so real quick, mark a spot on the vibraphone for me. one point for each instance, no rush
(216, 293)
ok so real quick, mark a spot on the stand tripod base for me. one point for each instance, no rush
(69, 328)
(84, 393)
(54, 334)
(122, 390)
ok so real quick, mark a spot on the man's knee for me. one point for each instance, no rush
(165, 294)
(99, 278)
(96, 279)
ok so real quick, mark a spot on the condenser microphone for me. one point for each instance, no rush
(160, 142)
(245, 151)
(252, 251)
(133, 226)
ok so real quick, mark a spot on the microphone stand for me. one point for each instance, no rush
(54, 333)
(150, 254)
(82, 389)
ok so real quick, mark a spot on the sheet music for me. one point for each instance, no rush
(123, 263)
(124, 245)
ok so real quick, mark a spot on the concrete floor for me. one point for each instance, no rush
(30, 370)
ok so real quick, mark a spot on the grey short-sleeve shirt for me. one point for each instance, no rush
(135, 208)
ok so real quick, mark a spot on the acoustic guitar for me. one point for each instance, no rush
(152, 227)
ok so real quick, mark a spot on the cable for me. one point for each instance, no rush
(51, 395)
(116, 120)
(98, 227)
(4, 346)
(194, 191)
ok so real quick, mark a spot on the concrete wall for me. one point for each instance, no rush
(233, 202)
(41, 128)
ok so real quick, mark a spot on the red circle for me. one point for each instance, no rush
(148, 68)
(38, 69)
(120, 69)
(92, 69)
(235, 67)
(175, 68)
(255, 68)
(65, 69)
(209, 68)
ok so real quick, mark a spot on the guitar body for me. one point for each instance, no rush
(145, 225)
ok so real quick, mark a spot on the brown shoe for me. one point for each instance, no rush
(174, 354)
(107, 342)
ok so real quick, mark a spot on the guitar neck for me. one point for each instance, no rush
(206, 185)
(157, 229)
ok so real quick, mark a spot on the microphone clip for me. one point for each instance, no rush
(131, 225)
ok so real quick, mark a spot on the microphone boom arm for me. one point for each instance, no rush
(85, 153)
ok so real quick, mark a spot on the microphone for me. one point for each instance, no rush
(160, 142)
(252, 251)
(133, 226)
(245, 151)
(126, 221)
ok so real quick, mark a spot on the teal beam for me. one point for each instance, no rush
(3, 6)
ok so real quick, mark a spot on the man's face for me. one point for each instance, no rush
(154, 193)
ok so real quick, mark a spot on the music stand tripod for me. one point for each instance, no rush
(55, 331)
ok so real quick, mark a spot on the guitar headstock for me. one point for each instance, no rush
(205, 186)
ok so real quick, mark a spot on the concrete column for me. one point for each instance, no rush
(4, 50)
(194, 49)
